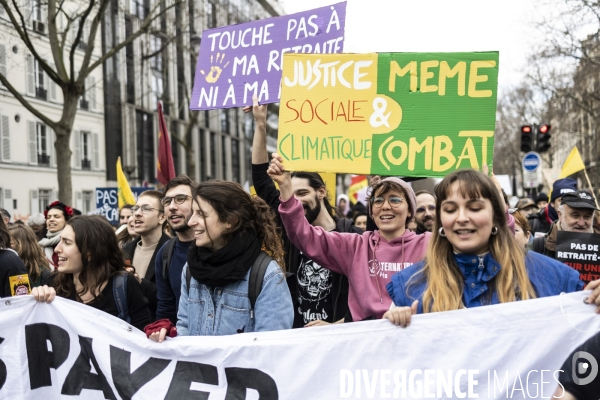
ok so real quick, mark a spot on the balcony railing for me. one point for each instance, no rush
(86, 164)
(39, 27)
(41, 93)
(43, 159)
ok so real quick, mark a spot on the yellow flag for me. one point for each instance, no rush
(572, 164)
(124, 192)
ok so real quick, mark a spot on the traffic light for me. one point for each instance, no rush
(526, 138)
(543, 138)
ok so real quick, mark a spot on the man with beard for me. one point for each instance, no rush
(575, 214)
(171, 258)
(425, 212)
(319, 296)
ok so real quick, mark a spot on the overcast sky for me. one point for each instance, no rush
(440, 25)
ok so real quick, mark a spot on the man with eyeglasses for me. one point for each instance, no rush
(425, 212)
(149, 219)
(172, 257)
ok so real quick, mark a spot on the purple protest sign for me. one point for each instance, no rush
(239, 61)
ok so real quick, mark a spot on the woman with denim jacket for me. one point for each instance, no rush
(231, 228)
(473, 259)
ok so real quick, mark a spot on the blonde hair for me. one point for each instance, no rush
(445, 283)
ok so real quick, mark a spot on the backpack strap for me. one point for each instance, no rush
(257, 274)
(538, 244)
(167, 255)
(120, 293)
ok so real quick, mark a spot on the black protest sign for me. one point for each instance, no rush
(580, 251)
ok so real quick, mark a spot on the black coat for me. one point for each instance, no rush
(538, 222)
(148, 280)
(265, 189)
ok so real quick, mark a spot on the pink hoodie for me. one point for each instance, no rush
(349, 254)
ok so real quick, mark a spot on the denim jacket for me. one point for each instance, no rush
(548, 277)
(205, 311)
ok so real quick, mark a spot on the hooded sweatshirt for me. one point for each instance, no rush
(354, 256)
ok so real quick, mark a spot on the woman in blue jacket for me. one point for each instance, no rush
(230, 229)
(473, 258)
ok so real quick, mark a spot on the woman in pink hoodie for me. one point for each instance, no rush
(368, 260)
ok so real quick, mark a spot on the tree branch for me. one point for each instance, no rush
(26, 103)
(143, 29)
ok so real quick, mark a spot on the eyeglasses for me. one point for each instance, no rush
(179, 199)
(394, 202)
(145, 209)
(431, 209)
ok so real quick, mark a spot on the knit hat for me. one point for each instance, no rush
(562, 187)
(410, 194)
(541, 197)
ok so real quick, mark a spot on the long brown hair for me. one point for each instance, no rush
(100, 255)
(245, 213)
(29, 250)
(445, 282)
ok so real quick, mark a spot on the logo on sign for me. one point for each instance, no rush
(531, 162)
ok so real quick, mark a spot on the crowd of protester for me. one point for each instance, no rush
(206, 258)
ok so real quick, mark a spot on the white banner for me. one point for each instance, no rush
(66, 349)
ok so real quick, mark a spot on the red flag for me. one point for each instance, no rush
(165, 169)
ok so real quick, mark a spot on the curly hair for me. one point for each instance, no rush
(244, 213)
(100, 262)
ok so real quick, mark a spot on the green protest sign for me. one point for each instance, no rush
(410, 114)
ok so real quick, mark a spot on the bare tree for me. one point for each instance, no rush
(64, 21)
(570, 54)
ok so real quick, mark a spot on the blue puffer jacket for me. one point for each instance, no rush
(548, 277)
(205, 311)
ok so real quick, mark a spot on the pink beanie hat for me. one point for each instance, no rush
(410, 193)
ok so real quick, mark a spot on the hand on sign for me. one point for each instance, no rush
(278, 173)
(259, 112)
(43, 294)
(594, 298)
(401, 316)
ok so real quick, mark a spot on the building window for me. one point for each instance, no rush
(86, 150)
(235, 161)
(213, 156)
(40, 87)
(37, 16)
(224, 116)
(43, 145)
(44, 198)
(130, 64)
(202, 151)
(145, 147)
(224, 157)
(158, 78)
(88, 201)
(139, 8)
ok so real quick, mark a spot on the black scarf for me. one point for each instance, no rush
(228, 264)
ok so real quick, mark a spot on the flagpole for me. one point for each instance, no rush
(591, 188)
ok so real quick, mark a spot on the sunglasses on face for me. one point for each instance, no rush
(179, 199)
